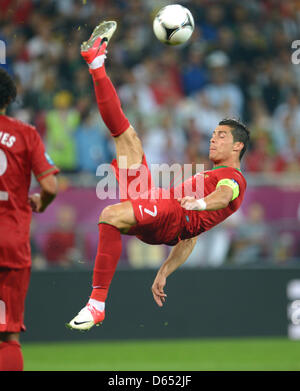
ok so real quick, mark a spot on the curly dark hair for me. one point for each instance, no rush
(8, 90)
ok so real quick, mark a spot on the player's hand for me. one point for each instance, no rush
(158, 290)
(35, 202)
(189, 203)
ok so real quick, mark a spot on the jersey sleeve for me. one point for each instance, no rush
(41, 163)
(232, 178)
(233, 184)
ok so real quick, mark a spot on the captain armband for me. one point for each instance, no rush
(232, 184)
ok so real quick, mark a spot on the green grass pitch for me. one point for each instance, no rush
(254, 354)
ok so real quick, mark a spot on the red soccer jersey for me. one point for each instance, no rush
(21, 152)
(197, 222)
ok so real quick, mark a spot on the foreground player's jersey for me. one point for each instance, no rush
(197, 222)
(21, 152)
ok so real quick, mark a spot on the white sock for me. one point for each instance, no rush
(97, 62)
(99, 305)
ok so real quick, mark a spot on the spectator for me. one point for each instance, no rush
(61, 244)
(286, 125)
(260, 157)
(135, 91)
(62, 122)
(38, 259)
(222, 94)
(69, 64)
(194, 75)
(214, 16)
(18, 11)
(44, 43)
(251, 239)
(165, 143)
(284, 248)
(91, 144)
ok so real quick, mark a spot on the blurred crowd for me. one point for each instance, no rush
(238, 63)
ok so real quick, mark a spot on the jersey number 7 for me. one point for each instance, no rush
(149, 212)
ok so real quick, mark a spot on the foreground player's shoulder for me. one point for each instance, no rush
(22, 136)
(233, 178)
(230, 173)
(17, 124)
(32, 137)
(30, 131)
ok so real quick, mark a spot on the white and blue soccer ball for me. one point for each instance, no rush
(173, 24)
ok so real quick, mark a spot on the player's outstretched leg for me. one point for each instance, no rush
(94, 52)
(118, 218)
(114, 220)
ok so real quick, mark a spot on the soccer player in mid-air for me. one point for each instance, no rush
(155, 220)
(21, 153)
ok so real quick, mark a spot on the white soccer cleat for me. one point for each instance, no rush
(88, 317)
(95, 47)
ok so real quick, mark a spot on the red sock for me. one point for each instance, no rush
(108, 254)
(108, 103)
(11, 358)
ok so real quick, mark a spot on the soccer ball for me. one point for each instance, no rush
(173, 24)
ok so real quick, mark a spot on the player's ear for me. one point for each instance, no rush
(238, 146)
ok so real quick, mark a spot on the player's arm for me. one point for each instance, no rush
(226, 191)
(44, 170)
(40, 201)
(178, 255)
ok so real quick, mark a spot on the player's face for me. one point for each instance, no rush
(221, 144)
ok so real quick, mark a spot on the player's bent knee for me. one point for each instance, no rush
(108, 215)
(112, 215)
(119, 215)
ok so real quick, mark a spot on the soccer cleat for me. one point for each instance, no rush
(94, 49)
(88, 317)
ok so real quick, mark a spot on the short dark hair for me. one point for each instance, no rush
(239, 131)
(8, 89)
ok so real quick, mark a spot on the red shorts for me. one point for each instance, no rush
(159, 220)
(13, 289)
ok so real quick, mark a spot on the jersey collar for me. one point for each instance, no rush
(215, 168)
